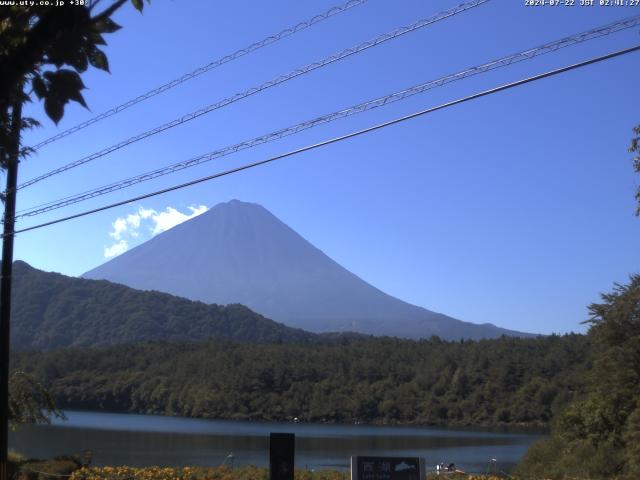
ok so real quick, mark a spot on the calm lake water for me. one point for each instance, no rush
(142, 440)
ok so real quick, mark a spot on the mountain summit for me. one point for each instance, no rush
(239, 252)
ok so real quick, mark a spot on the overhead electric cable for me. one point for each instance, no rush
(337, 139)
(205, 68)
(362, 107)
(264, 86)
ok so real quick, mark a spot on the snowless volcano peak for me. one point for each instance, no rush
(239, 252)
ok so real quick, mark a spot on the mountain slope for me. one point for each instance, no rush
(239, 252)
(50, 310)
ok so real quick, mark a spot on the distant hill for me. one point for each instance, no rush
(50, 310)
(239, 252)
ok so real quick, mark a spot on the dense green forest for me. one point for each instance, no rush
(598, 434)
(50, 310)
(374, 380)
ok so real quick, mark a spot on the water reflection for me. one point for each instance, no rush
(142, 440)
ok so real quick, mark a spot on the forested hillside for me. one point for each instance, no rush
(50, 310)
(375, 380)
(598, 434)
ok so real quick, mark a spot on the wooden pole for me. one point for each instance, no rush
(11, 156)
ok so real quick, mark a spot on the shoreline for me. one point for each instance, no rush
(530, 427)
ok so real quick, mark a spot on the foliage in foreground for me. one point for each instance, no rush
(635, 149)
(598, 435)
(32, 469)
(29, 401)
(375, 380)
(181, 473)
(217, 473)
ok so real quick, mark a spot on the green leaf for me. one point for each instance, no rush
(77, 97)
(64, 85)
(63, 82)
(98, 59)
(39, 87)
(54, 108)
(95, 38)
(29, 123)
(69, 45)
(106, 25)
(79, 60)
(138, 5)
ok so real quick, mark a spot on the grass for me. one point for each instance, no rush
(70, 468)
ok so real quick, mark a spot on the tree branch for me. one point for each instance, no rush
(108, 11)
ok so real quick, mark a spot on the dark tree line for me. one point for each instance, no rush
(377, 380)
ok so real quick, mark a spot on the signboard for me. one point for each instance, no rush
(281, 456)
(387, 468)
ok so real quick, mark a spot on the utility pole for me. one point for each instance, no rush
(11, 154)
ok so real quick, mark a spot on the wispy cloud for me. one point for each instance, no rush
(171, 217)
(157, 222)
(116, 249)
(119, 228)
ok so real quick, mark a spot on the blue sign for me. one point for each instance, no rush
(387, 468)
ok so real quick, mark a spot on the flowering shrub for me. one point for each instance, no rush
(220, 473)
(166, 473)
(195, 473)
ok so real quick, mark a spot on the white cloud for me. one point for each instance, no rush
(133, 220)
(119, 228)
(147, 212)
(159, 222)
(116, 249)
(171, 217)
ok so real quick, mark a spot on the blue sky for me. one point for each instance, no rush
(515, 209)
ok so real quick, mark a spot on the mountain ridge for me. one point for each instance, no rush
(51, 310)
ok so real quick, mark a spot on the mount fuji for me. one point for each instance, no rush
(239, 252)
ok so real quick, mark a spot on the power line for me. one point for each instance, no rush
(205, 68)
(264, 86)
(362, 107)
(340, 138)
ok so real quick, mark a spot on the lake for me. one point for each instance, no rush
(143, 440)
